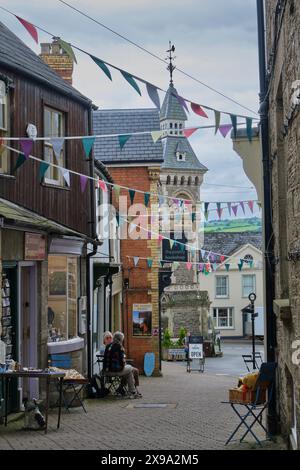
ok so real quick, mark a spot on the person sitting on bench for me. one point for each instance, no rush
(114, 364)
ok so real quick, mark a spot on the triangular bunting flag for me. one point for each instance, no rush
(189, 132)
(26, 146)
(217, 120)
(220, 212)
(83, 182)
(182, 246)
(251, 205)
(171, 244)
(235, 209)
(198, 110)
(88, 143)
(227, 266)
(251, 264)
(229, 208)
(233, 118)
(117, 190)
(123, 139)
(149, 262)
(102, 66)
(240, 266)
(131, 81)
(68, 49)
(57, 144)
(161, 200)
(189, 266)
(42, 170)
(175, 265)
(146, 199)
(153, 94)
(131, 195)
(156, 135)
(118, 218)
(181, 101)
(222, 258)
(225, 129)
(242, 206)
(30, 28)
(206, 206)
(66, 176)
(102, 185)
(249, 128)
(21, 159)
(136, 260)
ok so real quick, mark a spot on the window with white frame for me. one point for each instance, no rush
(4, 126)
(222, 287)
(54, 126)
(248, 285)
(223, 318)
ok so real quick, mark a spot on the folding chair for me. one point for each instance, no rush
(114, 384)
(254, 410)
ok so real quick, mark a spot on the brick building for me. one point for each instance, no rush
(283, 43)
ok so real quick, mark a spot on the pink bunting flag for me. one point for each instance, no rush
(102, 186)
(198, 110)
(242, 206)
(83, 182)
(222, 258)
(30, 28)
(189, 266)
(251, 205)
(235, 209)
(225, 129)
(26, 146)
(189, 132)
(220, 212)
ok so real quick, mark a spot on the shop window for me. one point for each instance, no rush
(223, 318)
(62, 299)
(4, 126)
(54, 126)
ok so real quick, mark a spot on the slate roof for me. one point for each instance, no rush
(138, 149)
(15, 55)
(228, 243)
(170, 146)
(171, 108)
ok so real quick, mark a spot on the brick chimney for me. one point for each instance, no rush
(57, 59)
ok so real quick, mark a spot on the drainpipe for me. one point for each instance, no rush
(268, 229)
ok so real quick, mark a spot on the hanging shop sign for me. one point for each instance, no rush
(34, 247)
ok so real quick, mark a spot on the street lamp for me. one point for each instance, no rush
(251, 309)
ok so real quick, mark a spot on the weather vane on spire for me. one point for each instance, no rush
(171, 58)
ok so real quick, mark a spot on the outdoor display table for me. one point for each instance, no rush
(8, 375)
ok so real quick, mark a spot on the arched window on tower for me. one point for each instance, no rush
(190, 181)
(182, 181)
(168, 180)
(197, 181)
(175, 180)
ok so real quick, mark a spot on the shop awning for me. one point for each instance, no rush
(103, 269)
(22, 217)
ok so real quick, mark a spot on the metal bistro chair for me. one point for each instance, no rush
(112, 382)
(247, 358)
(265, 383)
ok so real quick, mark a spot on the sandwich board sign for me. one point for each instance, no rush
(196, 347)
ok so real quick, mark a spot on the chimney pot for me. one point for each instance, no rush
(45, 48)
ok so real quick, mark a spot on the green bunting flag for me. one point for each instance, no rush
(102, 66)
(218, 120)
(42, 170)
(240, 266)
(249, 128)
(227, 266)
(234, 124)
(68, 49)
(88, 143)
(175, 265)
(251, 264)
(149, 262)
(20, 161)
(131, 195)
(182, 246)
(146, 199)
(156, 135)
(123, 139)
(131, 81)
(117, 190)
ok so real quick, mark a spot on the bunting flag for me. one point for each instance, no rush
(66, 176)
(42, 170)
(242, 206)
(227, 266)
(201, 266)
(153, 94)
(161, 200)
(117, 190)
(83, 182)
(235, 209)
(225, 129)
(198, 110)
(206, 206)
(229, 208)
(181, 101)
(251, 264)
(171, 244)
(30, 28)
(131, 81)
(102, 66)
(68, 49)
(206, 214)
(251, 205)
(118, 218)
(182, 246)
(88, 143)
(175, 265)
(156, 135)
(102, 185)
(149, 262)
(242, 262)
(233, 118)
(240, 266)
(146, 199)
(21, 159)
(123, 139)
(222, 258)
(217, 120)
(259, 205)
(220, 212)
(189, 266)
(26, 146)
(189, 132)
(131, 195)
(249, 128)
(136, 260)
(57, 144)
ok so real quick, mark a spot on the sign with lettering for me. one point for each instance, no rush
(34, 247)
(196, 347)
(177, 253)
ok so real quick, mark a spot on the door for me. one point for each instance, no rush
(28, 353)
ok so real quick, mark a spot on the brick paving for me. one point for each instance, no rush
(196, 421)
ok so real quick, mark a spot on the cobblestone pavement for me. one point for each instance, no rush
(195, 419)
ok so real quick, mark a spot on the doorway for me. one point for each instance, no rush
(28, 326)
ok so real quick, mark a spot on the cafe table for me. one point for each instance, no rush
(33, 374)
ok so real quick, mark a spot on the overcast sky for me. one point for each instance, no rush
(216, 42)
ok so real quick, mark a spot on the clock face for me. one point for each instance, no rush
(31, 131)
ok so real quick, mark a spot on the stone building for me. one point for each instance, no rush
(283, 45)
